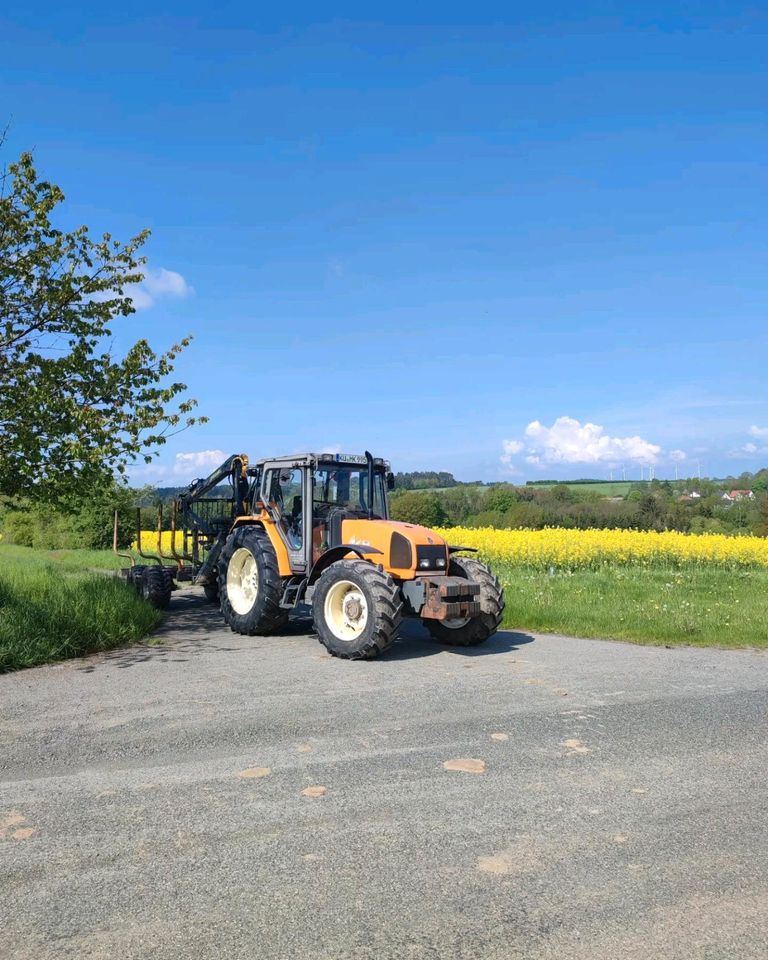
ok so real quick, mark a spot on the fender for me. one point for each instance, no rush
(338, 553)
(267, 523)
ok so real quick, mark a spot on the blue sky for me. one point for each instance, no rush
(507, 240)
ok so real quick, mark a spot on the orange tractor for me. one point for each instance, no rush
(314, 530)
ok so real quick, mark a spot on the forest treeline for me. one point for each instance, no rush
(692, 506)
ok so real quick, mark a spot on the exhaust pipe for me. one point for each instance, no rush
(369, 461)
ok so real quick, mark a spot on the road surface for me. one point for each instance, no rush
(218, 796)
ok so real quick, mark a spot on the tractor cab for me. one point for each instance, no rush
(310, 497)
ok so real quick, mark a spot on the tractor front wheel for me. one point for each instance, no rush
(357, 610)
(470, 631)
(250, 586)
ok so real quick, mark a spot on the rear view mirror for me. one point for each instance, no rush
(390, 481)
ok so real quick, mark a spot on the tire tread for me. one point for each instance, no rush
(483, 626)
(271, 616)
(156, 586)
(388, 612)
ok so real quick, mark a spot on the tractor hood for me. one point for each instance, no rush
(407, 549)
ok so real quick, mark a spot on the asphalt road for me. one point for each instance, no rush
(218, 796)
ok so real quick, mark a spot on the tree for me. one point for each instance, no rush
(760, 481)
(501, 498)
(762, 522)
(650, 511)
(72, 525)
(72, 415)
(422, 508)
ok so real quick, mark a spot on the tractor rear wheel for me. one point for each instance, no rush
(156, 586)
(250, 586)
(356, 609)
(470, 631)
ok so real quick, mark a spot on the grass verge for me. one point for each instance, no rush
(698, 606)
(51, 609)
(69, 561)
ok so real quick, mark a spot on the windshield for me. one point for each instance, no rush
(347, 487)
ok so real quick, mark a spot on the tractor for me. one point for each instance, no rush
(314, 530)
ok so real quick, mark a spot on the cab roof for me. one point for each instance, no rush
(313, 459)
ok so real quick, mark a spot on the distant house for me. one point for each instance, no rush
(742, 495)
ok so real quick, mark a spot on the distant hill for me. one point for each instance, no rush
(581, 482)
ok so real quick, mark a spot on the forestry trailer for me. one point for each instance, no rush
(314, 530)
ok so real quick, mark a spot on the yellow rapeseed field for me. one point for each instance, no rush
(584, 549)
(149, 541)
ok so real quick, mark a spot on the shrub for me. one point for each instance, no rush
(422, 508)
(82, 525)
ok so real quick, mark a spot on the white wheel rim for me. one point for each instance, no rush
(346, 611)
(242, 580)
(456, 624)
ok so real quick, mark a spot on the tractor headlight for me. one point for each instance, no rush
(431, 557)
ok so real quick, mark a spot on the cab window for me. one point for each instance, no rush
(283, 490)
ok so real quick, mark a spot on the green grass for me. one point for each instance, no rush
(461, 486)
(52, 608)
(71, 561)
(701, 606)
(615, 488)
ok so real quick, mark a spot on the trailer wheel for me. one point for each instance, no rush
(250, 586)
(470, 631)
(211, 591)
(357, 610)
(156, 586)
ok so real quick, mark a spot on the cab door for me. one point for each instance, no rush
(287, 491)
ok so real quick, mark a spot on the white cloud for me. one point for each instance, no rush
(511, 447)
(569, 441)
(157, 284)
(150, 472)
(187, 463)
(749, 450)
(677, 455)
